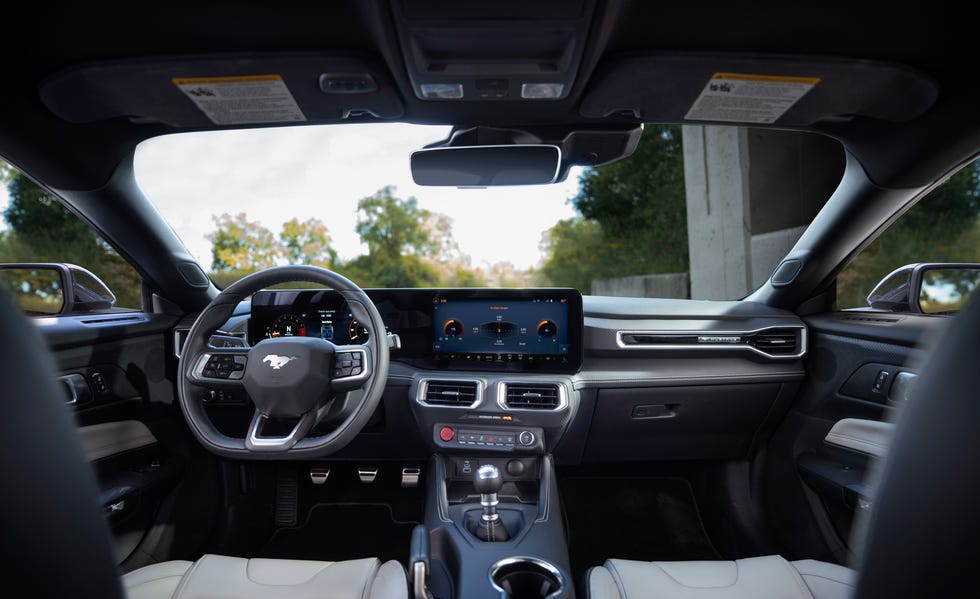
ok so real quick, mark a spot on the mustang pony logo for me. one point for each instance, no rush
(277, 361)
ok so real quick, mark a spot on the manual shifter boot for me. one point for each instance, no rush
(491, 531)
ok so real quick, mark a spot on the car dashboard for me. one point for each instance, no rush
(537, 371)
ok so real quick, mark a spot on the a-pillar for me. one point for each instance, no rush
(750, 195)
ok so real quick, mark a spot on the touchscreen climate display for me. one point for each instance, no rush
(508, 330)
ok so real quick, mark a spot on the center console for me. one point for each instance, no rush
(501, 536)
(492, 393)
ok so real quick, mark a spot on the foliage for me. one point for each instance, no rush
(41, 229)
(407, 246)
(238, 244)
(633, 217)
(307, 242)
(391, 226)
(943, 227)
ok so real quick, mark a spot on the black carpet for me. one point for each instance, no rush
(335, 532)
(648, 518)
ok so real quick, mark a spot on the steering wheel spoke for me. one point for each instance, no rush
(255, 441)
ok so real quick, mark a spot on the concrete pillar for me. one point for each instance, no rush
(716, 163)
(750, 195)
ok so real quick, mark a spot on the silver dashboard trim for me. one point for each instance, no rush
(724, 346)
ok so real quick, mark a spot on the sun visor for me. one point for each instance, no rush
(205, 91)
(755, 90)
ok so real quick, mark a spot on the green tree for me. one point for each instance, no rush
(307, 242)
(398, 242)
(41, 229)
(390, 226)
(577, 251)
(633, 217)
(240, 244)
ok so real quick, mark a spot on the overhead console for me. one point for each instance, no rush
(483, 330)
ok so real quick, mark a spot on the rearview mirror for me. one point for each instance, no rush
(486, 166)
(46, 289)
(928, 288)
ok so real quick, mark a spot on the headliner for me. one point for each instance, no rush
(932, 39)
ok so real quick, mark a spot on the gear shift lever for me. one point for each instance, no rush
(488, 482)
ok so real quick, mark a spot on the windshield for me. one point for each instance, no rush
(342, 197)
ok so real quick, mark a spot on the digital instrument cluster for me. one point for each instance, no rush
(514, 330)
(304, 313)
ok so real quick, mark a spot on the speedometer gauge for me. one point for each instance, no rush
(287, 325)
(357, 333)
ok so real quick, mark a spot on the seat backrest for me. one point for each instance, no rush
(923, 537)
(54, 541)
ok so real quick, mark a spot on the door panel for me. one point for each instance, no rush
(117, 372)
(814, 489)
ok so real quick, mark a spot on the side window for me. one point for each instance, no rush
(943, 227)
(36, 227)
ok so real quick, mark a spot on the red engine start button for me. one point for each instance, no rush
(447, 434)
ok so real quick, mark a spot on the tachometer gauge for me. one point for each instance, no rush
(357, 333)
(287, 325)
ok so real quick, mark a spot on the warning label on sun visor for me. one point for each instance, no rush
(242, 100)
(740, 98)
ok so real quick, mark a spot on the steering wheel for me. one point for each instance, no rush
(289, 379)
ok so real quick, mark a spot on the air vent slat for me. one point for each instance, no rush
(532, 396)
(451, 393)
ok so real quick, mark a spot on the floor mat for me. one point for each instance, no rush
(654, 518)
(335, 532)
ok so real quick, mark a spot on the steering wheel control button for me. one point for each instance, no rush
(526, 438)
(349, 363)
(224, 366)
(447, 434)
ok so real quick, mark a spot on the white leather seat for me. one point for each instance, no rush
(221, 577)
(753, 578)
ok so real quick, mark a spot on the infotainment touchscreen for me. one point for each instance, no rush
(542, 329)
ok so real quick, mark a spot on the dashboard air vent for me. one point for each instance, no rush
(776, 342)
(458, 394)
(532, 396)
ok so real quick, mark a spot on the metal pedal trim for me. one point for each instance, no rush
(319, 476)
(410, 477)
(367, 475)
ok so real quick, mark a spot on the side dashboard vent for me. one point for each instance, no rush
(455, 394)
(532, 396)
(777, 342)
(773, 342)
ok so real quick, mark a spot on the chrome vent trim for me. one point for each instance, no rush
(778, 342)
(450, 393)
(542, 403)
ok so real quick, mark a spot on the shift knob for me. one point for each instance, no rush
(487, 480)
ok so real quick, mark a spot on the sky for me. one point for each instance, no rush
(273, 175)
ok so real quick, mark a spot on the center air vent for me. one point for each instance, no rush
(532, 396)
(452, 394)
